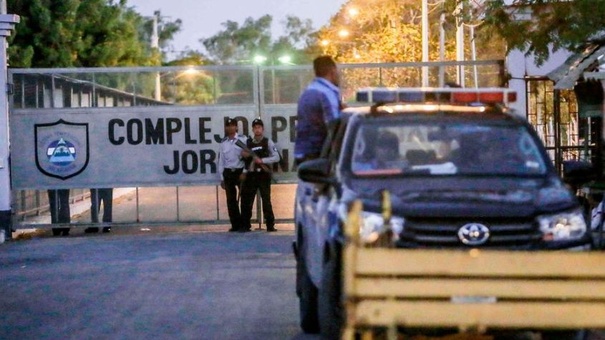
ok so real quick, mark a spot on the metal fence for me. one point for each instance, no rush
(262, 89)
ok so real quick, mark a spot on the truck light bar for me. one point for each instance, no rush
(451, 95)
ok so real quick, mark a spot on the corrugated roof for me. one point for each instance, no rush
(566, 75)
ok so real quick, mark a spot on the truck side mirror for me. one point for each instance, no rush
(315, 171)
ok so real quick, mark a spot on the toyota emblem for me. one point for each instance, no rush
(473, 234)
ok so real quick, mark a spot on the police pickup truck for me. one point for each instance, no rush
(463, 171)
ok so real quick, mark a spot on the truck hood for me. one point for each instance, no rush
(465, 197)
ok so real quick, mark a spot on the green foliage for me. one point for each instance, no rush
(391, 31)
(189, 58)
(79, 33)
(166, 31)
(547, 25)
(237, 44)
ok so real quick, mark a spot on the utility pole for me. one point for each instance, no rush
(425, 42)
(460, 43)
(441, 48)
(155, 46)
(7, 23)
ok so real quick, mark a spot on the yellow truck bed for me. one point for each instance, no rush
(472, 290)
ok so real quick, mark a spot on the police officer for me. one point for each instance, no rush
(230, 167)
(260, 156)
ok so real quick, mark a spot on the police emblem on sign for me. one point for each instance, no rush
(61, 148)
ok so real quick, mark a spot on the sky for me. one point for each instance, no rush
(203, 18)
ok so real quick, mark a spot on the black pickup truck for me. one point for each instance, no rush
(462, 170)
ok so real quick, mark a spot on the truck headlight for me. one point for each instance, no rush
(563, 226)
(373, 226)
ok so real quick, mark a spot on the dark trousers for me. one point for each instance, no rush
(98, 196)
(58, 199)
(59, 205)
(261, 182)
(231, 180)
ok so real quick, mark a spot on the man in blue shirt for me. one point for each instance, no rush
(317, 106)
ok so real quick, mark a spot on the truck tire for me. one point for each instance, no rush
(331, 311)
(565, 335)
(307, 296)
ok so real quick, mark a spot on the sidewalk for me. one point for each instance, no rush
(156, 209)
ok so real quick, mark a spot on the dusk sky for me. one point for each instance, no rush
(203, 18)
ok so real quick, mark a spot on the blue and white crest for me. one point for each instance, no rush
(61, 148)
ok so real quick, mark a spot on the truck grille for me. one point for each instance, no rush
(439, 233)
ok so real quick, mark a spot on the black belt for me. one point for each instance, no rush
(233, 169)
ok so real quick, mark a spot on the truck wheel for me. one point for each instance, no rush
(565, 335)
(331, 311)
(307, 296)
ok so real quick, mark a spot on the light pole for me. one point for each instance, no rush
(260, 60)
(425, 42)
(155, 46)
(460, 43)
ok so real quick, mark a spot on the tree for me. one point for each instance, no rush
(546, 24)
(299, 41)
(390, 31)
(239, 44)
(80, 33)
(166, 31)
(191, 86)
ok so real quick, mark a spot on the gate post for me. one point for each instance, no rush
(7, 23)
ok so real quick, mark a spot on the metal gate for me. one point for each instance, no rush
(152, 133)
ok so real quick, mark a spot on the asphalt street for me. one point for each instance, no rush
(191, 282)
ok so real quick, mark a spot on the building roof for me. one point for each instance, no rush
(566, 75)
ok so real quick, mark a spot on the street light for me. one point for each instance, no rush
(258, 59)
(170, 77)
(325, 43)
(286, 60)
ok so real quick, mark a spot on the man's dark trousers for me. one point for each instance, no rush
(98, 196)
(261, 181)
(231, 180)
(58, 200)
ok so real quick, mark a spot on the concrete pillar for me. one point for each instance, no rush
(7, 23)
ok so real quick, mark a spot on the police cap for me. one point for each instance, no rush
(230, 122)
(258, 121)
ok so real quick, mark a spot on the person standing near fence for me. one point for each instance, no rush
(318, 105)
(230, 168)
(97, 197)
(58, 200)
(259, 157)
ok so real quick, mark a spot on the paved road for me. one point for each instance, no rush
(165, 283)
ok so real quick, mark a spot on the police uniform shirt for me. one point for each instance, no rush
(230, 155)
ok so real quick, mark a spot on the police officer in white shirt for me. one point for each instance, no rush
(230, 167)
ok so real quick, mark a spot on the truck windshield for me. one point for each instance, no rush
(452, 149)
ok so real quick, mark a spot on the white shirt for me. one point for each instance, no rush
(230, 155)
